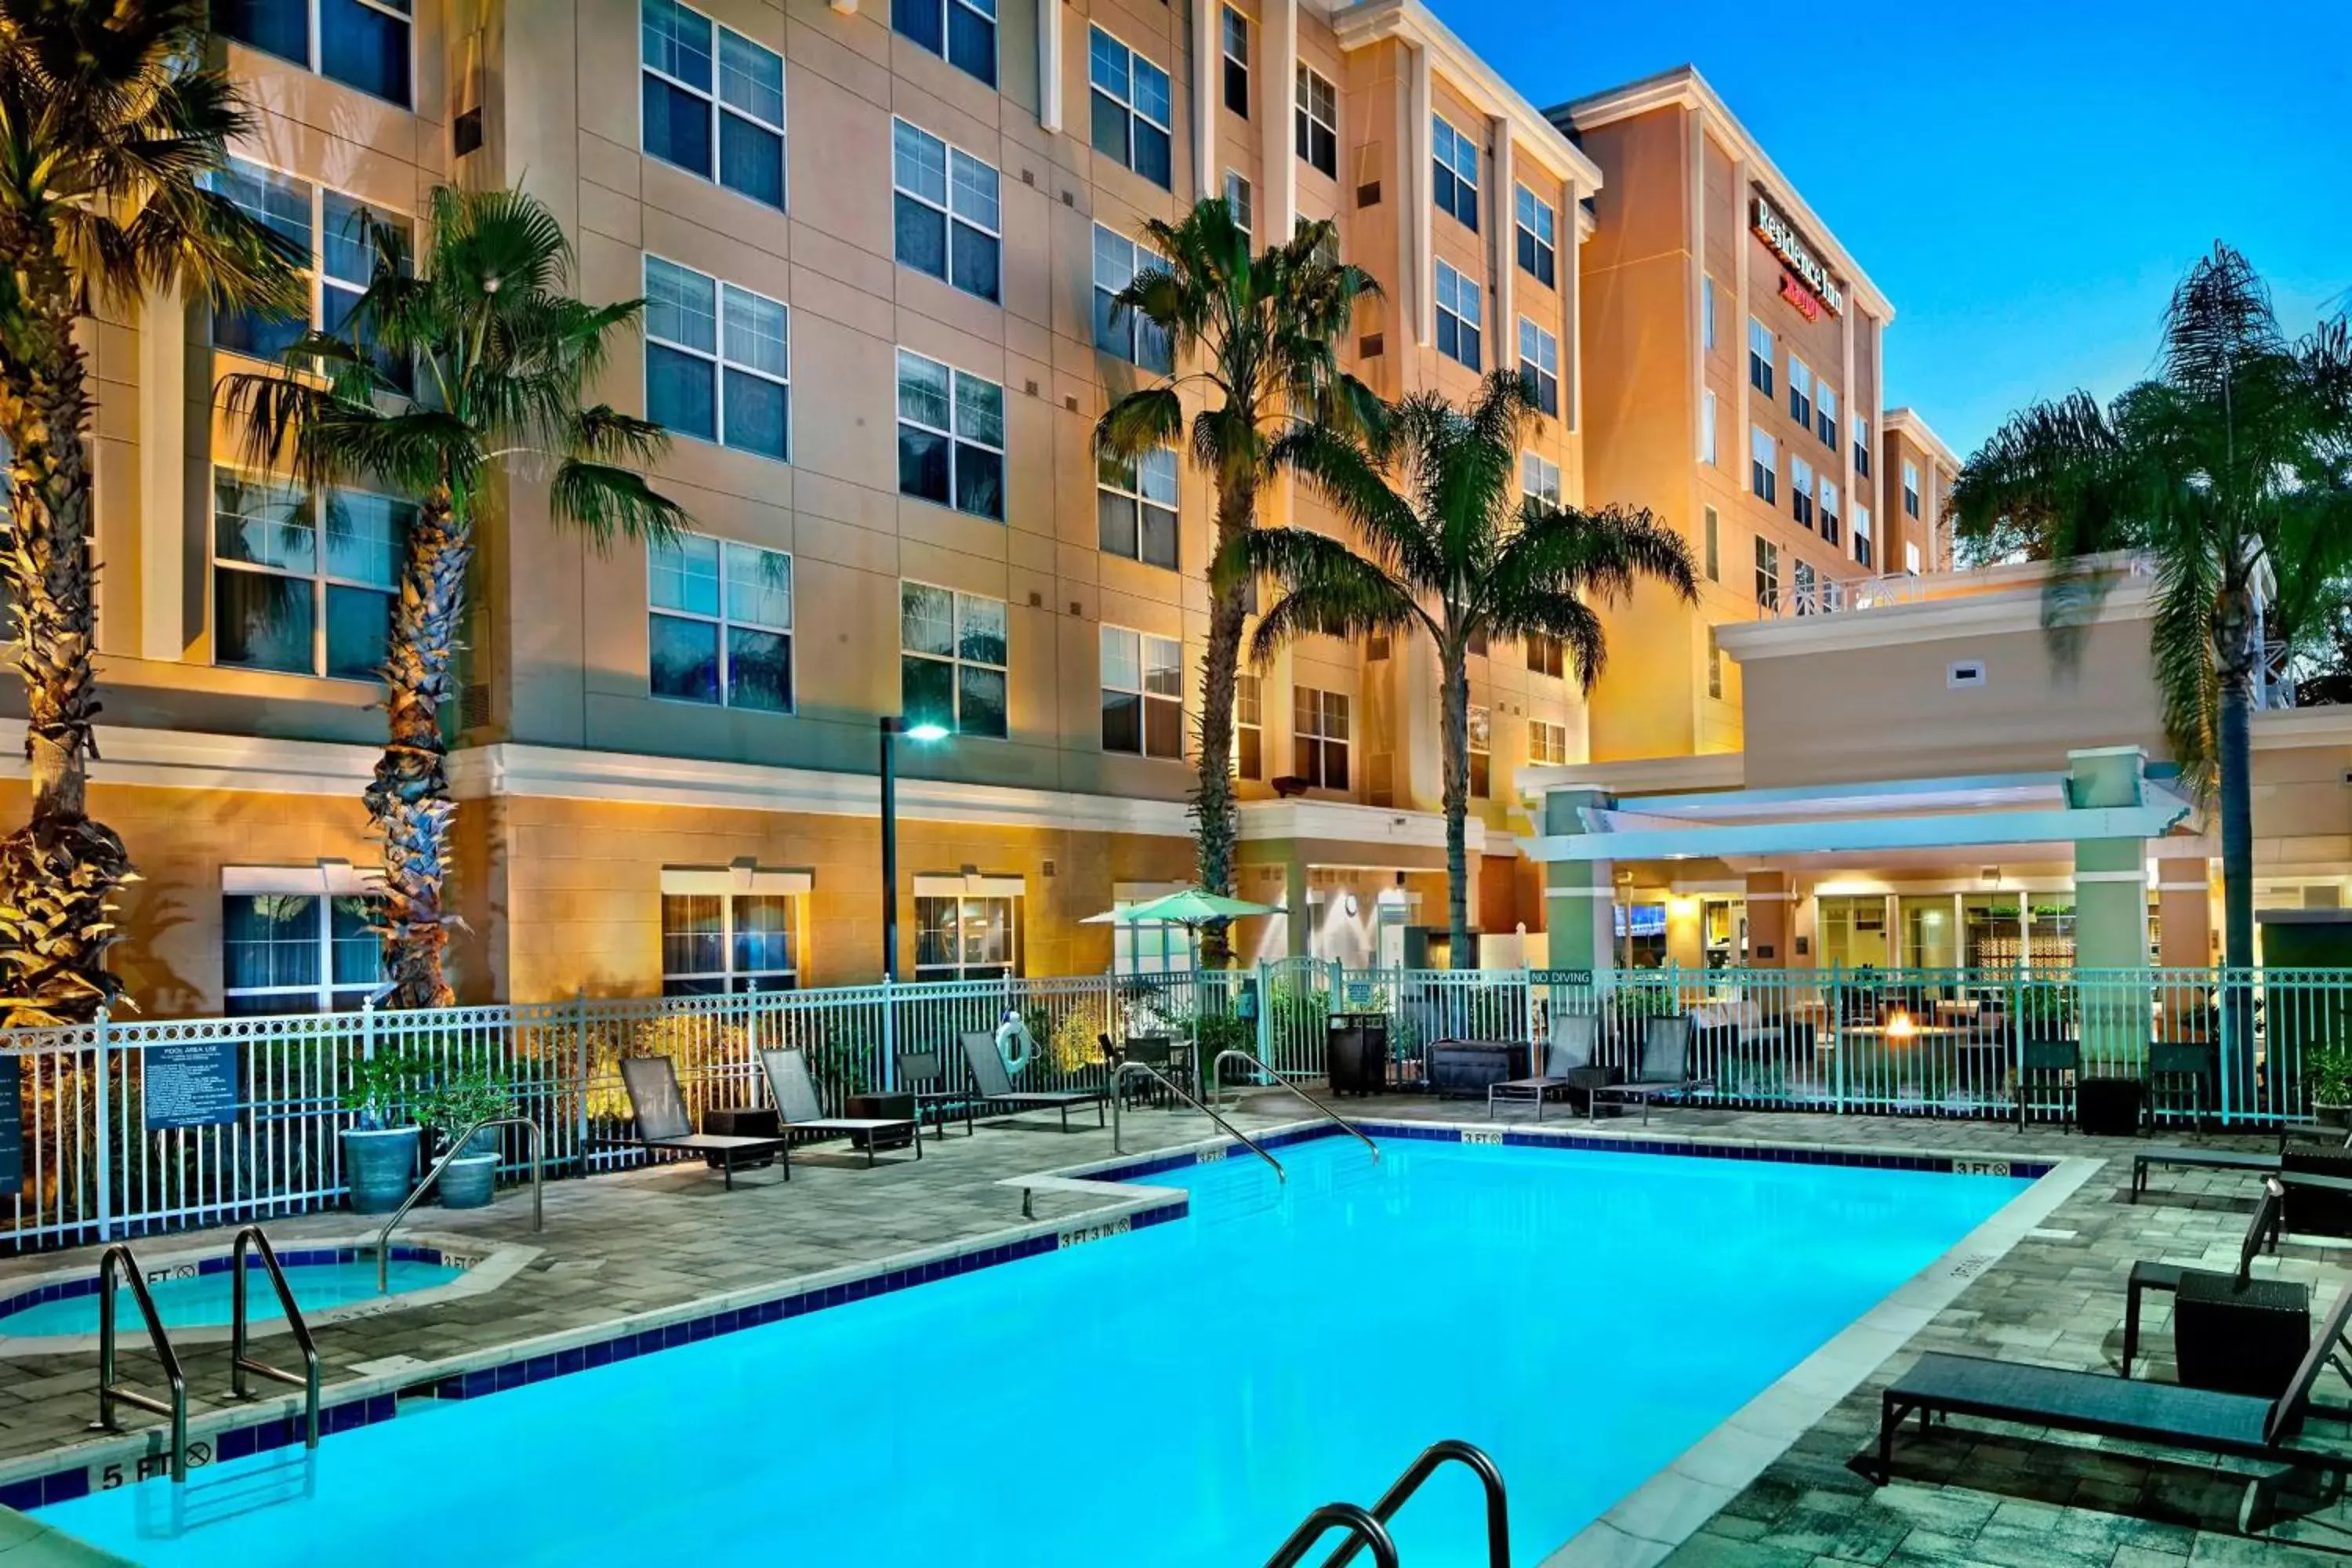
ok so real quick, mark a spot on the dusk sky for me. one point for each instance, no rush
(2025, 182)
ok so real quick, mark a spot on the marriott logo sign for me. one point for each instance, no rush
(1774, 231)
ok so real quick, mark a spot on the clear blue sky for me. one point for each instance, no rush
(2024, 180)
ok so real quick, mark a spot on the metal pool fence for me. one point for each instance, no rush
(2239, 1048)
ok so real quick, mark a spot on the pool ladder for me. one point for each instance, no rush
(1119, 1077)
(1369, 1527)
(1217, 1095)
(120, 1262)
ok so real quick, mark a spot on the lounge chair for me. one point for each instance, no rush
(1566, 1063)
(2247, 1319)
(937, 1101)
(2163, 1415)
(1665, 1070)
(797, 1107)
(996, 1085)
(659, 1110)
(2316, 1159)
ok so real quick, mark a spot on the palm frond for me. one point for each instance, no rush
(1328, 588)
(607, 502)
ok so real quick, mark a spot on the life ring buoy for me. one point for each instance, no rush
(1015, 1046)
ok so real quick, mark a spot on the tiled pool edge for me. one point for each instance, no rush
(1645, 1526)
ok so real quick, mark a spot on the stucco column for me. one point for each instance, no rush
(2184, 904)
(1299, 924)
(1278, 156)
(1208, 91)
(162, 631)
(1579, 896)
(1771, 920)
(2111, 911)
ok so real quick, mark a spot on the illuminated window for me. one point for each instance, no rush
(951, 660)
(1318, 737)
(303, 950)
(716, 942)
(1545, 657)
(967, 938)
(1481, 736)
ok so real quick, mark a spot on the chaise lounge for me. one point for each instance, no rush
(1664, 1073)
(1567, 1066)
(2230, 1331)
(658, 1108)
(996, 1085)
(799, 1111)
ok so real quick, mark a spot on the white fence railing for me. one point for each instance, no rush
(104, 1154)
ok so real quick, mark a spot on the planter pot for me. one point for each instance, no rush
(485, 1142)
(2335, 1116)
(380, 1166)
(468, 1180)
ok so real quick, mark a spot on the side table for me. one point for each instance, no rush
(879, 1108)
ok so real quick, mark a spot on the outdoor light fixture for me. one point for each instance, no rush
(893, 726)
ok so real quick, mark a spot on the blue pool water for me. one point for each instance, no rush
(203, 1298)
(1173, 1398)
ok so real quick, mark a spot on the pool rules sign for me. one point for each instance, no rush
(190, 1084)
(12, 1123)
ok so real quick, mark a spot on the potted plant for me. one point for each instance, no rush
(453, 1104)
(380, 1146)
(2330, 1071)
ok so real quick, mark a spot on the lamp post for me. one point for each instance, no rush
(893, 726)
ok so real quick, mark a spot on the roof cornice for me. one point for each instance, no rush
(1906, 422)
(1684, 87)
(1532, 132)
(1921, 620)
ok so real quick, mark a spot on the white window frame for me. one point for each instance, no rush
(1540, 477)
(1768, 574)
(1830, 509)
(1478, 745)
(1129, 105)
(1249, 718)
(1137, 494)
(1759, 356)
(721, 363)
(1707, 311)
(1546, 743)
(1763, 465)
(317, 39)
(952, 159)
(728, 885)
(1537, 224)
(1800, 488)
(1312, 712)
(320, 282)
(725, 620)
(1447, 150)
(1139, 257)
(318, 579)
(1861, 444)
(1863, 549)
(956, 440)
(1910, 488)
(719, 107)
(325, 881)
(1804, 593)
(1707, 420)
(1231, 62)
(1303, 101)
(969, 892)
(958, 661)
(1800, 391)
(1467, 313)
(946, 51)
(1144, 648)
(1825, 406)
(1241, 200)
(1544, 365)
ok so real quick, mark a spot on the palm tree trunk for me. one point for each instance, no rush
(1216, 818)
(408, 801)
(59, 874)
(1454, 737)
(2234, 655)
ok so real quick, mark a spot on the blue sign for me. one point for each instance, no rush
(191, 1085)
(12, 1124)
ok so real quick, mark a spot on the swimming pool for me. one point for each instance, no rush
(197, 1294)
(1174, 1397)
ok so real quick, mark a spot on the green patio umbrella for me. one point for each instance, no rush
(1191, 907)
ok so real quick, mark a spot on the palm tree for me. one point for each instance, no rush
(1265, 329)
(2232, 467)
(1445, 543)
(109, 120)
(500, 353)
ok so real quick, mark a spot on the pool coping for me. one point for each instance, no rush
(61, 1475)
(485, 1265)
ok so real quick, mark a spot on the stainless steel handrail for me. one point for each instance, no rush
(240, 1363)
(1123, 1069)
(456, 1147)
(1217, 1088)
(118, 1257)
(1452, 1451)
(1361, 1528)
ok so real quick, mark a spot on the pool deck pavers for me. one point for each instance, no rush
(669, 1241)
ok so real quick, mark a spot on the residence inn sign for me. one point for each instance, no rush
(1777, 232)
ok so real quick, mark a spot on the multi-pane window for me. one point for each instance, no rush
(1238, 202)
(719, 623)
(332, 229)
(951, 659)
(1707, 422)
(1768, 574)
(1546, 656)
(1801, 490)
(718, 361)
(1547, 743)
(1861, 446)
(1481, 738)
(1759, 356)
(1862, 546)
(961, 32)
(1318, 122)
(1707, 311)
(1318, 737)
(1235, 37)
(1829, 509)
(299, 952)
(1538, 479)
(714, 944)
(361, 43)
(1712, 526)
(967, 938)
(1911, 558)
(1539, 366)
(948, 218)
(1763, 465)
(1129, 336)
(291, 595)
(1539, 237)
(1910, 488)
(1135, 507)
(950, 437)
(1801, 393)
(1802, 589)
(1130, 107)
(1825, 414)
(1142, 693)
(1456, 160)
(1249, 727)
(1713, 665)
(717, 115)
(1458, 317)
